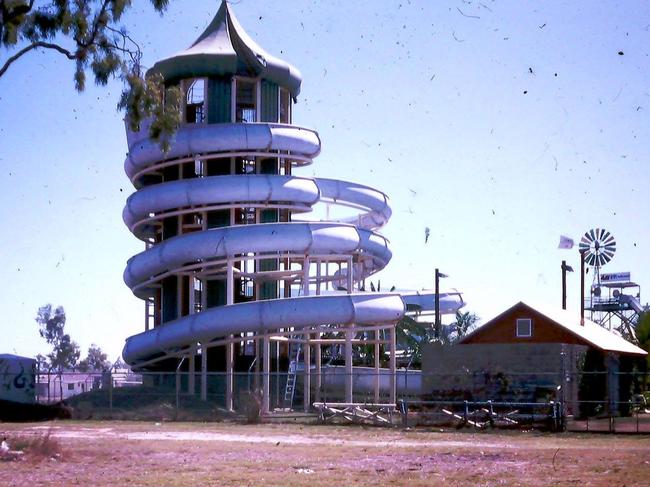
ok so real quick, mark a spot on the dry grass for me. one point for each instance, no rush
(34, 448)
(114, 453)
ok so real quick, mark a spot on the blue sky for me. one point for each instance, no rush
(498, 124)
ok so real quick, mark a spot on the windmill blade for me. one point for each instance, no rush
(609, 242)
(608, 256)
(606, 236)
(592, 234)
(590, 258)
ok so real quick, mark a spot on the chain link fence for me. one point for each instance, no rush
(588, 401)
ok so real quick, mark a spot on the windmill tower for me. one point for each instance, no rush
(613, 299)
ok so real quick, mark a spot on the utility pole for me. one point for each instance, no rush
(565, 268)
(582, 287)
(437, 305)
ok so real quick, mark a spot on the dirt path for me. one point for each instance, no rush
(158, 454)
(327, 436)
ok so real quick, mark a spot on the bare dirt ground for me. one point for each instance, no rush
(121, 453)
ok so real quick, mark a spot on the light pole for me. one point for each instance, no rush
(438, 276)
(582, 286)
(565, 268)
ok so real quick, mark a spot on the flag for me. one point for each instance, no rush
(565, 243)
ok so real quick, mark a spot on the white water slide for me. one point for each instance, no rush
(320, 265)
(353, 237)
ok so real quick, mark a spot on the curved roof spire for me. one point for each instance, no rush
(224, 48)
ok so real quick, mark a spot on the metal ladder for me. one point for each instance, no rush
(290, 389)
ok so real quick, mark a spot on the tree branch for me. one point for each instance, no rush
(31, 47)
(96, 27)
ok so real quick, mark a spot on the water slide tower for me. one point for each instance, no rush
(231, 276)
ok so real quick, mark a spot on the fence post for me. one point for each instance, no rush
(110, 394)
(178, 388)
(404, 411)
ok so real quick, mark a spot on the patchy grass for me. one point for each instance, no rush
(34, 447)
(117, 453)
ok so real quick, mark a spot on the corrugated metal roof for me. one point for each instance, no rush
(591, 332)
(224, 48)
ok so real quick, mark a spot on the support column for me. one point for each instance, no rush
(305, 276)
(393, 368)
(230, 345)
(204, 373)
(377, 364)
(307, 373)
(348, 364)
(318, 278)
(191, 386)
(350, 277)
(266, 371)
(318, 366)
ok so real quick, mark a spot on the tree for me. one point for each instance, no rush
(65, 352)
(51, 323)
(464, 324)
(642, 330)
(96, 360)
(87, 32)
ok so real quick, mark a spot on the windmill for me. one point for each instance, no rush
(598, 247)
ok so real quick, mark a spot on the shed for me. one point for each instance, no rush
(522, 323)
(526, 353)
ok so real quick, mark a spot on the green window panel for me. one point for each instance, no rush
(215, 293)
(169, 299)
(269, 216)
(268, 290)
(219, 91)
(269, 109)
(269, 166)
(218, 218)
(170, 227)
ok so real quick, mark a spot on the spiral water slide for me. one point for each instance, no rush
(354, 239)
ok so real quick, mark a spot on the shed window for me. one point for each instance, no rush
(524, 327)
(71, 387)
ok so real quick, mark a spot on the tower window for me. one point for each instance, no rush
(195, 111)
(524, 327)
(246, 111)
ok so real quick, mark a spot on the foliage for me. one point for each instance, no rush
(87, 32)
(95, 360)
(464, 324)
(51, 323)
(412, 336)
(642, 330)
(65, 352)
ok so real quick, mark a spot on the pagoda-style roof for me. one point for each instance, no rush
(225, 49)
